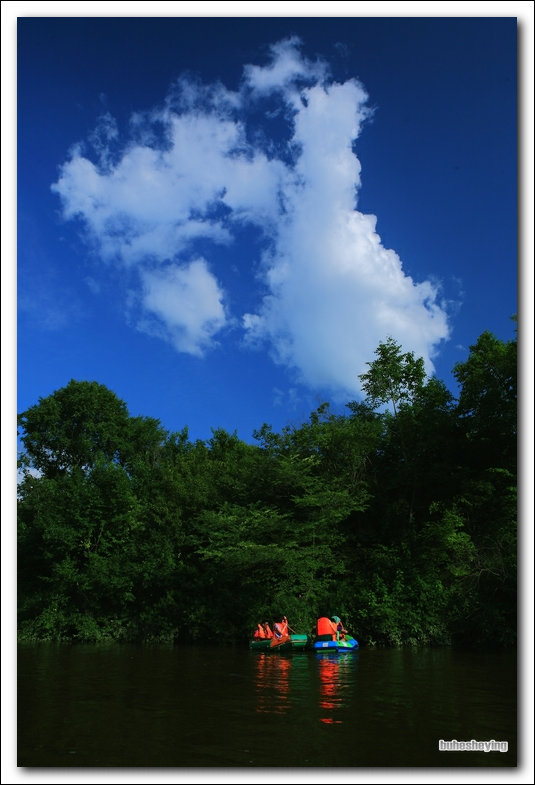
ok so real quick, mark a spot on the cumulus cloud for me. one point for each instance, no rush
(187, 303)
(197, 169)
(287, 67)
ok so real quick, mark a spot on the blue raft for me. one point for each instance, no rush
(345, 644)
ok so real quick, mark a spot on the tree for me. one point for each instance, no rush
(73, 427)
(488, 400)
(399, 379)
(487, 493)
(393, 377)
(79, 511)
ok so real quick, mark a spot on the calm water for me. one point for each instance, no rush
(230, 707)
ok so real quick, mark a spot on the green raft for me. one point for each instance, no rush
(288, 643)
(271, 644)
(299, 641)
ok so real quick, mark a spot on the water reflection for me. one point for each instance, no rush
(335, 672)
(141, 706)
(272, 682)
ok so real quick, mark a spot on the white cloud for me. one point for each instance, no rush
(335, 291)
(105, 133)
(287, 67)
(188, 301)
(196, 169)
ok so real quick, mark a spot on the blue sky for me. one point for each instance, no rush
(220, 218)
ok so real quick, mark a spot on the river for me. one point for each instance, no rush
(195, 706)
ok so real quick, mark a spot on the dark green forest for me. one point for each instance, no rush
(399, 515)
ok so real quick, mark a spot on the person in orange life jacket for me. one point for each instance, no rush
(280, 628)
(267, 630)
(259, 632)
(340, 629)
(286, 629)
(325, 629)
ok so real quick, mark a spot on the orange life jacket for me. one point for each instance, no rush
(325, 626)
(259, 632)
(284, 627)
(267, 631)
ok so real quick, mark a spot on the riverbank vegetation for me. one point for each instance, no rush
(399, 515)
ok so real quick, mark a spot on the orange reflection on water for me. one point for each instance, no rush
(329, 694)
(272, 683)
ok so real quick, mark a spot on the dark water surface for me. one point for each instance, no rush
(127, 706)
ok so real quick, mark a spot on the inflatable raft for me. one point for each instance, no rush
(345, 644)
(287, 643)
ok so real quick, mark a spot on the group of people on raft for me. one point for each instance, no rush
(326, 629)
(280, 629)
